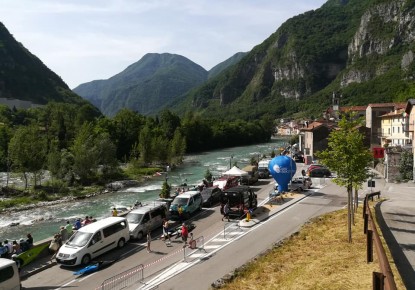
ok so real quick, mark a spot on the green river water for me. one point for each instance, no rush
(191, 171)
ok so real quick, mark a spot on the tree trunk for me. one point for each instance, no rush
(356, 199)
(25, 180)
(349, 212)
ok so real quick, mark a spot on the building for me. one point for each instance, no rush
(313, 138)
(410, 127)
(373, 120)
(393, 126)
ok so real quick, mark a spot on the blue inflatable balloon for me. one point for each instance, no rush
(282, 168)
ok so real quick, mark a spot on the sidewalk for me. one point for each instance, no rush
(37, 266)
(396, 217)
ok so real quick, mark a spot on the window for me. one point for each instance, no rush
(6, 273)
(146, 218)
(96, 238)
(108, 231)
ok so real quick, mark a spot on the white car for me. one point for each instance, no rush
(298, 184)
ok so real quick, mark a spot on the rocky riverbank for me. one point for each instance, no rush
(110, 187)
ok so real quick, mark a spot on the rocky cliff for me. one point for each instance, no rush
(356, 47)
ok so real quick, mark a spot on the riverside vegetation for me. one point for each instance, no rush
(83, 150)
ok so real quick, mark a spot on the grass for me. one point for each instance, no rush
(317, 257)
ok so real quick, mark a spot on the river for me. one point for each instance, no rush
(191, 171)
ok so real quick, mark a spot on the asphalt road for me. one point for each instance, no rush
(164, 267)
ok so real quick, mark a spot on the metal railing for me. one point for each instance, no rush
(124, 279)
(384, 279)
(197, 244)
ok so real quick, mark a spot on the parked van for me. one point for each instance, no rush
(190, 201)
(9, 275)
(252, 176)
(241, 199)
(93, 240)
(146, 218)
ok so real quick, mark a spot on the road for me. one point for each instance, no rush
(165, 268)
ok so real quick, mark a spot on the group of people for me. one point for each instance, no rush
(8, 249)
(66, 231)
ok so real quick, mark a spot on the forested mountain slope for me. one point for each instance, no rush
(361, 49)
(146, 86)
(24, 77)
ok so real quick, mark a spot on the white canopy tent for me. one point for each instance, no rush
(235, 171)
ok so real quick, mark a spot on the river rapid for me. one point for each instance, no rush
(43, 222)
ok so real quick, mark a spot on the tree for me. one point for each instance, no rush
(165, 190)
(177, 147)
(85, 153)
(208, 175)
(347, 155)
(28, 151)
(406, 165)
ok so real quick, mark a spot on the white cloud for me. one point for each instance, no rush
(86, 40)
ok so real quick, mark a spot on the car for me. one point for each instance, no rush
(146, 218)
(240, 199)
(305, 180)
(252, 176)
(298, 157)
(263, 173)
(190, 201)
(319, 172)
(300, 184)
(297, 184)
(211, 195)
(313, 166)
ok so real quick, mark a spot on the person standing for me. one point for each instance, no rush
(226, 211)
(114, 212)
(148, 242)
(166, 234)
(64, 234)
(29, 240)
(69, 228)
(180, 212)
(77, 224)
(9, 249)
(3, 250)
(185, 233)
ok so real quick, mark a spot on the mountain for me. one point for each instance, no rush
(361, 49)
(24, 77)
(147, 86)
(217, 69)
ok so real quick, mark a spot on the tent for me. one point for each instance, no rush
(235, 171)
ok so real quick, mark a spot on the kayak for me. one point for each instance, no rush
(94, 267)
(29, 255)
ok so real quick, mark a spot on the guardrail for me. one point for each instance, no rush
(383, 279)
(124, 279)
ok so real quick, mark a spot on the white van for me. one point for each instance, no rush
(93, 240)
(146, 218)
(9, 275)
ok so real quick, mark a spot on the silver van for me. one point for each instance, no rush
(9, 275)
(93, 240)
(146, 218)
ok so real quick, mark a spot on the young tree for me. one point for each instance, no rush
(85, 153)
(165, 190)
(28, 151)
(347, 155)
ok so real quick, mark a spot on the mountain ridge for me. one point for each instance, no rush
(145, 86)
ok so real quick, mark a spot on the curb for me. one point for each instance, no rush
(254, 221)
(37, 270)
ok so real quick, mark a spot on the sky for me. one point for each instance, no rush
(85, 40)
